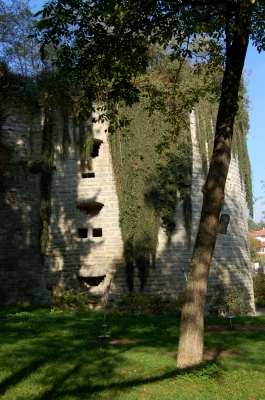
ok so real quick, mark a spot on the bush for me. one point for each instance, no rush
(68, 300)
(234, 299)
(259, 288)
(152, 305)
(135, 302)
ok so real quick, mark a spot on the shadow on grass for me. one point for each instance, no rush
(56, 351)
(18, 376)
(84, 390)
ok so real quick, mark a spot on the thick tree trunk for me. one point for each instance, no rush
(191, 339)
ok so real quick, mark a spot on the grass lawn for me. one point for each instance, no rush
(52, 355)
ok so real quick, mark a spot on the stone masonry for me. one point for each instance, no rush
(85, 249)
(21, 267)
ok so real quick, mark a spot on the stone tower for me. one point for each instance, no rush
(85, 248)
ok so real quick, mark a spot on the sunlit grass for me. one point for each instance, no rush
(54, 355)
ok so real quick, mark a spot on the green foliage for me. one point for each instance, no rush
(261, 260)
(254, 247)
(85, 142)
(239, 144)
(66, 139)
(255, 226)
(233, 299)
(138, 303)
(206, 114)
(69, 300)
(114, 46)
(149, 179)
(259, 288)
(46, 178)
(17, 91)
(16, 48)
(43, 348)
(5, 150)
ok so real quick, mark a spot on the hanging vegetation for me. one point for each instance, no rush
(45, 179)
(16, 91)
(152, 155)
(206, 115)
(150, 145)
(150, 182)
(85, 142)
(66, 138)
(239, 145)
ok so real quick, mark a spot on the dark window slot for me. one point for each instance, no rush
(96, 146)
(82, 232)
(91, 207)
(97, 232)
(88, 175)
(95, 150)
(92, 280)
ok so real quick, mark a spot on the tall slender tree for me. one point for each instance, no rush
(107, 41)
(17, 50)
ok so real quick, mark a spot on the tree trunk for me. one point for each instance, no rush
(191, 339)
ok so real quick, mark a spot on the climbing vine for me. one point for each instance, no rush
(16, 91)
(85, 142)
(206, 115)
(239, 145)
(66, 138)
(152, 155)
(152, 176)
(151, 150)
(46, 178)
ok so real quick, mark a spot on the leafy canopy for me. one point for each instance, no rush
(104, 44)
(17, 50)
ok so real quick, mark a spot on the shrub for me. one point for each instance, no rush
(135, 302)
(259, 287)
(70, 300)
(234, 299)
(152, 305)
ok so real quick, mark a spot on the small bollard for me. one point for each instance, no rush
(104, 326)
(230, 317)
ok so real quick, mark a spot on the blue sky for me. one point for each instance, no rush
(256, 137)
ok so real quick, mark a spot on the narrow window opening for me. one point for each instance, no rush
(82, 232)
(88, 175)
(97, 232)
(96, 146)
(91, 207)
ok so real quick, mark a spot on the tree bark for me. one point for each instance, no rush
(190, 348)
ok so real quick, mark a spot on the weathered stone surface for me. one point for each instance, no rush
(22, 271)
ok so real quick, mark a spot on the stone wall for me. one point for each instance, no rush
(21, 267)
(85, 249)
(70, 257)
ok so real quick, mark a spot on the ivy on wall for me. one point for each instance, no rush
(85, 142)
(66, 138)
(151, 151)
(152, 156)
(16, 91)
(46, 178)
(206, 115)
(150, 182)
